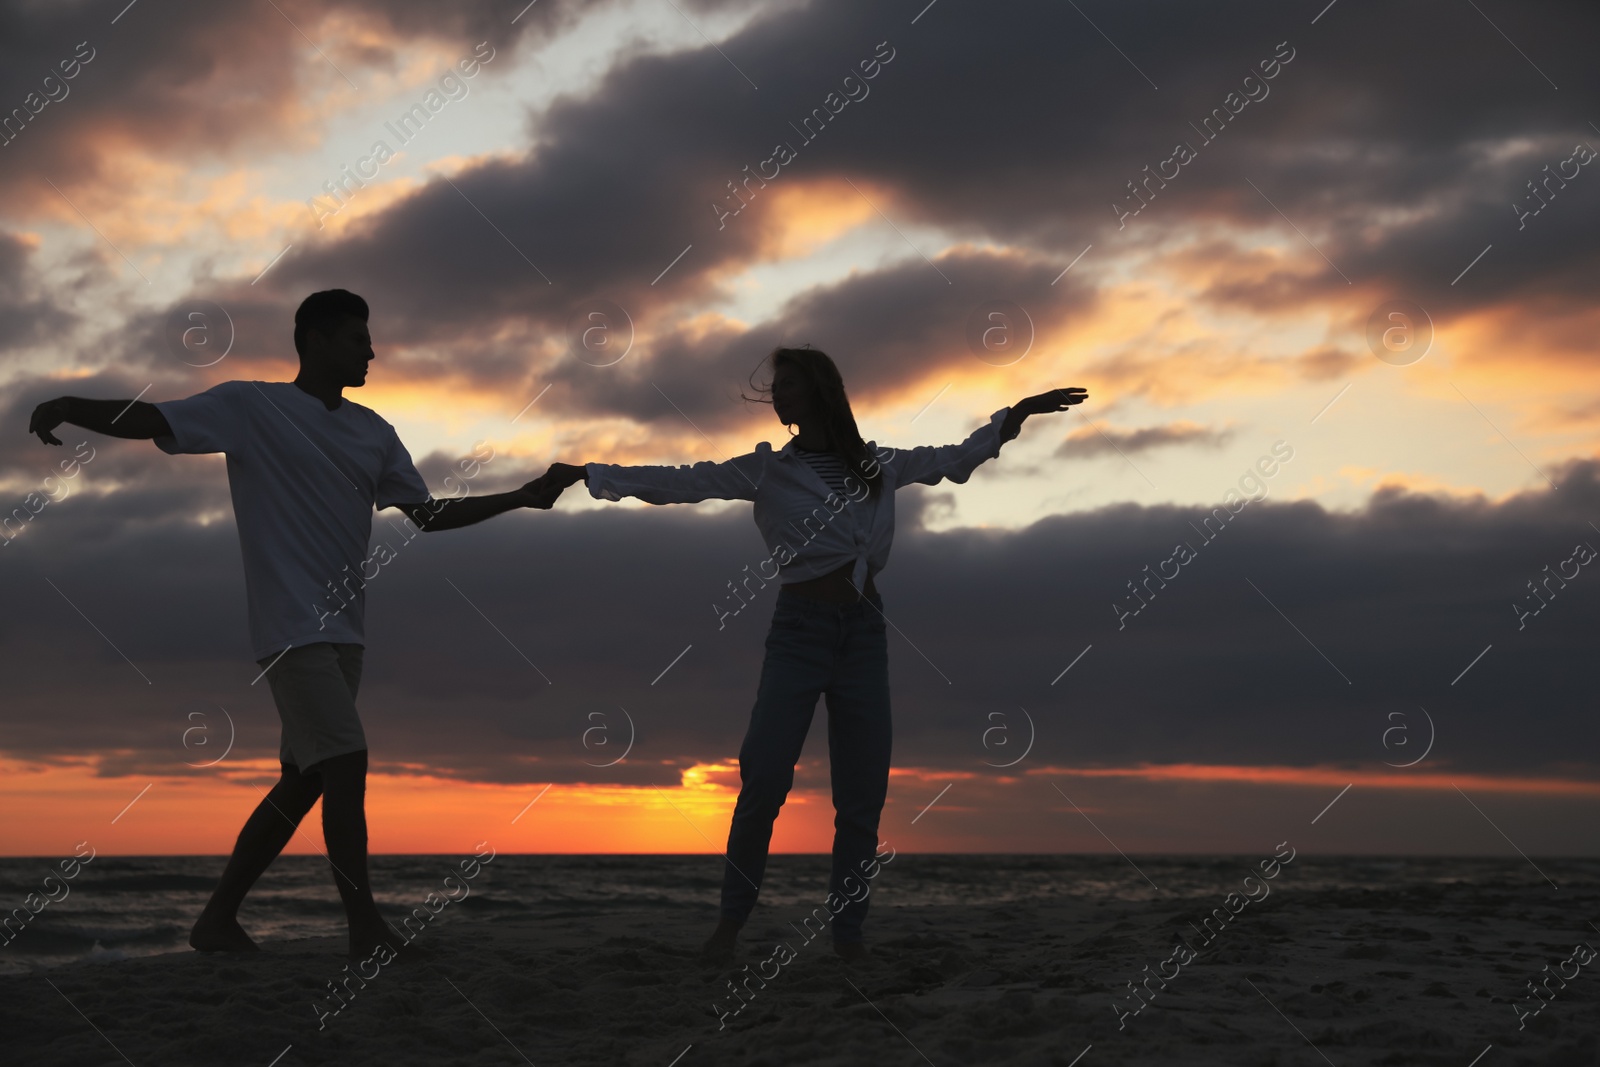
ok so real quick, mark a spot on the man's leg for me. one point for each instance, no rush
(265, 834)
(315, 689)
(344, 829)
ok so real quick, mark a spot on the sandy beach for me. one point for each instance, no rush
(1412, 974)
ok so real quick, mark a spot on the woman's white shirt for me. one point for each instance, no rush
(811, 529)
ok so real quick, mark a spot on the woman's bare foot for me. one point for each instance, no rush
(212, 933)
(849, 951)
(367, 935)
(719, 946)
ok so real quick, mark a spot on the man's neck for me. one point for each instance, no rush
(331, 395)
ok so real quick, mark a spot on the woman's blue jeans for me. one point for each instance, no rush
(841, 652)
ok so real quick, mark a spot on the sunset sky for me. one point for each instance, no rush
(1203, 214)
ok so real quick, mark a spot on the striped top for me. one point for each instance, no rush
(829, 466)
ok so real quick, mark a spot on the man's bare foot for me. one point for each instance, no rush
(214, 934)
(719, 946)
(849, 951)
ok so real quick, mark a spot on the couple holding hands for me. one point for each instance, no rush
(306, 467)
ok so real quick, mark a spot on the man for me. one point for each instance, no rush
(305, 468)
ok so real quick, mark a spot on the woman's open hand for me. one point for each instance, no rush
(1054, 400)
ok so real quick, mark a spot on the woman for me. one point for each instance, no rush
(826, 502)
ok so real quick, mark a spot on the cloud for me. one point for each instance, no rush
(607, 196)
(28, 314)
(200, 83)
(622, 181)
(1289, 641)
(1091, 441)
(984, 162)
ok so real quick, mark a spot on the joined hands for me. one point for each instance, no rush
(544, 490)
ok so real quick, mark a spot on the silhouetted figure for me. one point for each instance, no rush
(826, 500)
(305, 468)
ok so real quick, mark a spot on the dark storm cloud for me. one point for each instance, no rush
(624, 181)
(1396, 150)
(882, 328)
(1289, 638)
(1091, 442)
(194, 80)
(688, 370)
(197, 82)
(27, 314)
(227, 331)
(1021, 126)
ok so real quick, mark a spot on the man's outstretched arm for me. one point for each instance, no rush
(452, 514)
(131, 419)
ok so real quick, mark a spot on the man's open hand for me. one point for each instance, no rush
(46, 417)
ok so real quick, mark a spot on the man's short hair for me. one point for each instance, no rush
(322, 312)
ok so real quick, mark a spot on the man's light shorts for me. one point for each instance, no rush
(315, 688)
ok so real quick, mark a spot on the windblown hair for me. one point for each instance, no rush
(322, 311)
(832, 407)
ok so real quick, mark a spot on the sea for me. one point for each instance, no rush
(124, 906)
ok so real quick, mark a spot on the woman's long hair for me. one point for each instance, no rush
(831, 406)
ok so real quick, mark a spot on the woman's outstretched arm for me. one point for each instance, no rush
(930, 464)
(734, 479)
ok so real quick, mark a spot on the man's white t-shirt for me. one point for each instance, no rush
(304, 481)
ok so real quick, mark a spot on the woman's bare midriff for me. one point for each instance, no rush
(832, 588)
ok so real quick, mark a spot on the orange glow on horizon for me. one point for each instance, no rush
(1326, 776)
(421, 813)
(407, 813)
